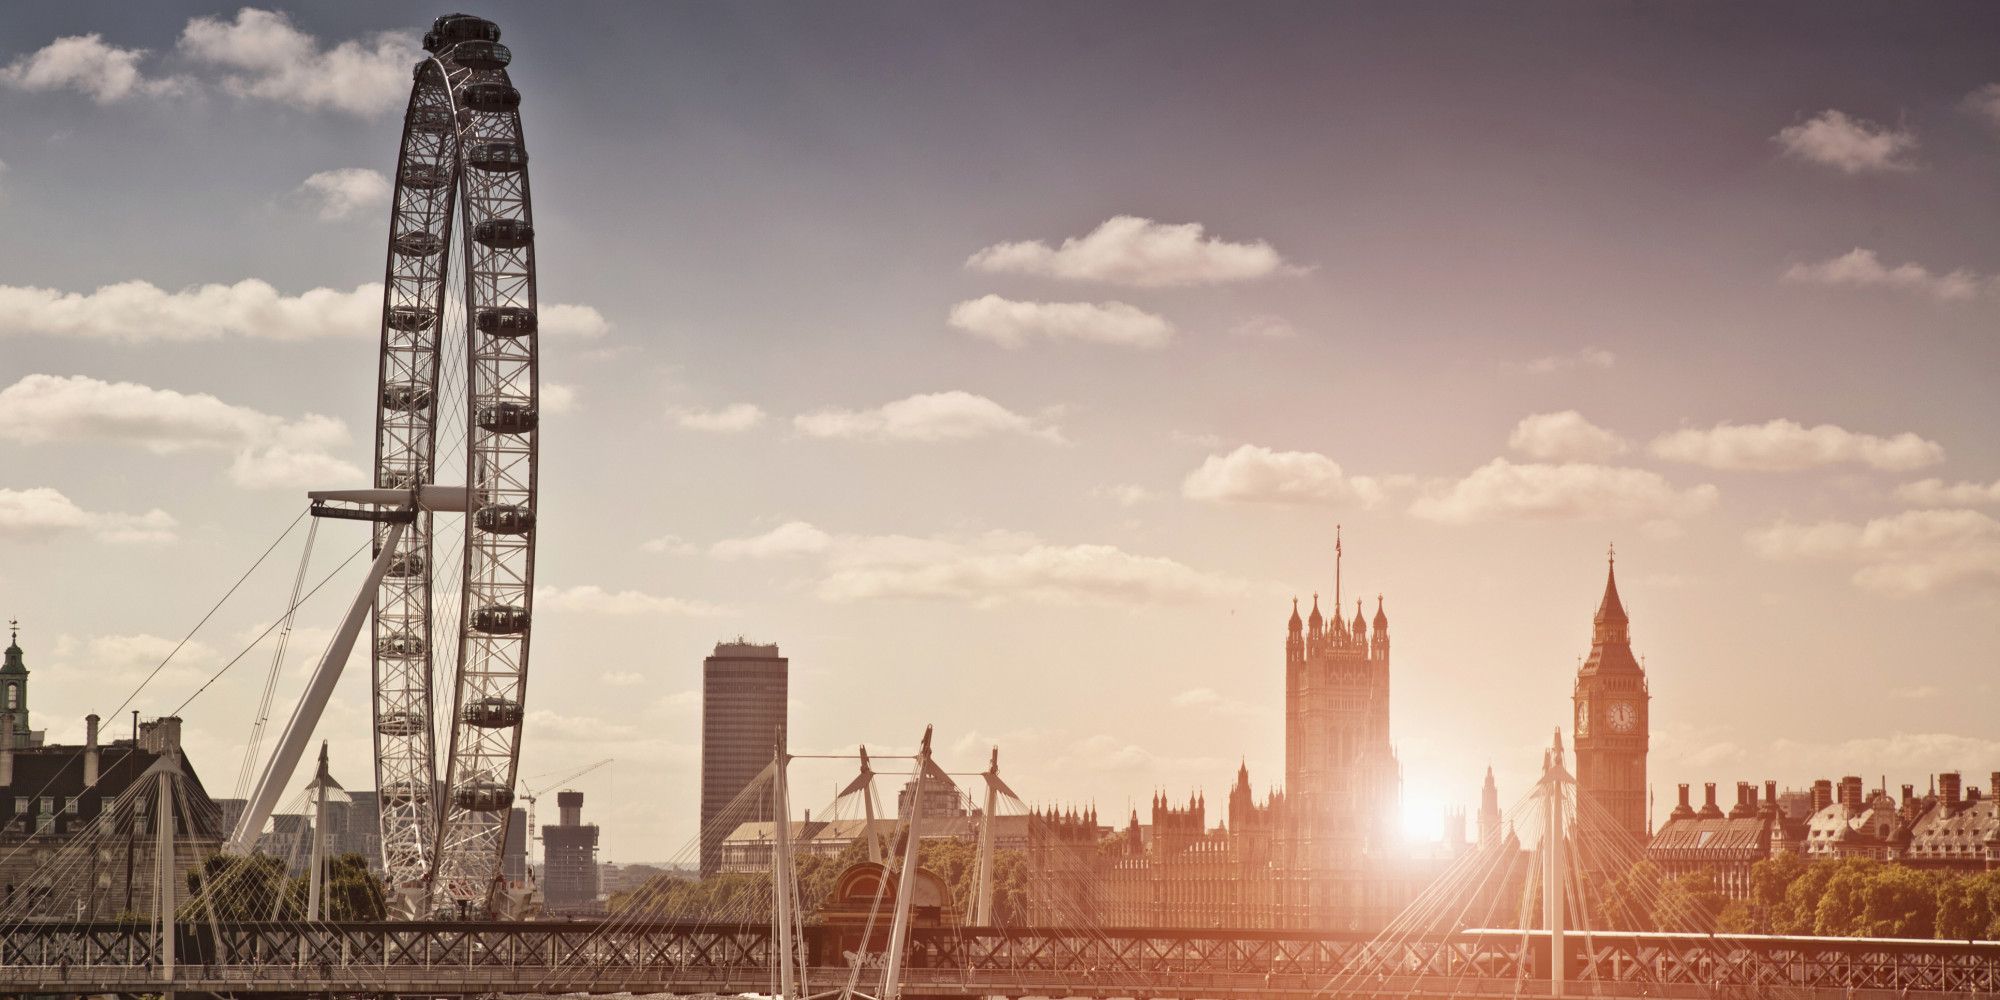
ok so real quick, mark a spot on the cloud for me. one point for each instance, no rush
(571, 321)
(39, 513)
(265, 56)
(789, 539)
(86, 64)
(1937, 493)
(1911, 554)
(270, 451)
(1564, 437)
(621, 678)
(1502, 490)
(1785, 446)
(1849, 145)
(1589, 357)
(1013, 324)
(1255, 474)
(730, 419)
(1860, 268)
(983, 570)
(673, 545)
(927, 417)
(1209, 700)
(592, 599)
(557, 399)
(1984, 102)
(1128, 250)
(340, 193)
(1264, 328)
(1124, 494)
(139, 311)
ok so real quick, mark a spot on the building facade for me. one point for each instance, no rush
(1613, 722)
(744, 687)
(1726, 844)
(569, 859)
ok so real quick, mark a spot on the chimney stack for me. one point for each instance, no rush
(90, 760)
(1996, 785)
(1771, 797)
(1709, 809)
(1684, 810)
(1850, 793)
(1909, 796)
(1822, 795)
(6, 750)
(1948, 787)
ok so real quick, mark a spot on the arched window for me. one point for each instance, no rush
(13, 697)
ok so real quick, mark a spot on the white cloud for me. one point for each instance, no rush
(1859, 268)
(1784, 446)
(1850, 145)
(1124, 494)
(1589, 357)
(1264, 328)
(1984, 102)
(1013, 324)
(789, 539)
(1208, 699)
(983, 570)
(673, 545)
(572, 321)
(1564, 437)
(340, 193)
(557, 399)
(1128, 250)
(1938, 493)
(86, 64)
(592, 599)
(927, 417)
(140, 311)
(1255, 474)
(265, 56)
(1910, 554)
(270, 451)
(1502, 490)
(39, 513)
(728, 420)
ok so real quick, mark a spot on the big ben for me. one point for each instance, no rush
(1612, 726)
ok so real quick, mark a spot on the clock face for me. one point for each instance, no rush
(1623, 717)
(1583, 718)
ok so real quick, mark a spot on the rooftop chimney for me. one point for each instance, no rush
(6, 750)
(90, 750)
(1709, 809)
(1822, 795)
(1949, 784)
(1996, 785)
(1746, 802)
(1850, 793)
(1684, 810)
(1771, 798)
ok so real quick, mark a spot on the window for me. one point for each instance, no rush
(13, 697)
(69, 803)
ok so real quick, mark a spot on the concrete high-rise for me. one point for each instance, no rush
(569, 858)
(744, 686)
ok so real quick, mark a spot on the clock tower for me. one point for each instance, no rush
(1612, 723)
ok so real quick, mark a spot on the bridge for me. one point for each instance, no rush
(608, 957)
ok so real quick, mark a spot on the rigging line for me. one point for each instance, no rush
(267, 630)
(256, 741)
(211, 613)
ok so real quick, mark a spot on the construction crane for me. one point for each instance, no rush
(529, 795)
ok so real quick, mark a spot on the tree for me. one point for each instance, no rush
(257, 887)
(1968, 907)
(1689, 902)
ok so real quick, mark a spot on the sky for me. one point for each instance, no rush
(1012, 366)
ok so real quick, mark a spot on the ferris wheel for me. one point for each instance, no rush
(452, 585)
(458, 397)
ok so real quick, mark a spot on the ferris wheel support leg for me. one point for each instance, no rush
(277, 773)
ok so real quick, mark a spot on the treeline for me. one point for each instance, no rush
(1853, 897)
(258, 887)
(744, 897)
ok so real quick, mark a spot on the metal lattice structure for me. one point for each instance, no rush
(458, 386)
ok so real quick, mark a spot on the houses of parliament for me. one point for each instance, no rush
(1326, 851)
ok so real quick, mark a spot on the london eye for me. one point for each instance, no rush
(457, 397)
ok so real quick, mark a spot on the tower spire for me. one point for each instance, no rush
(1336, 569)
